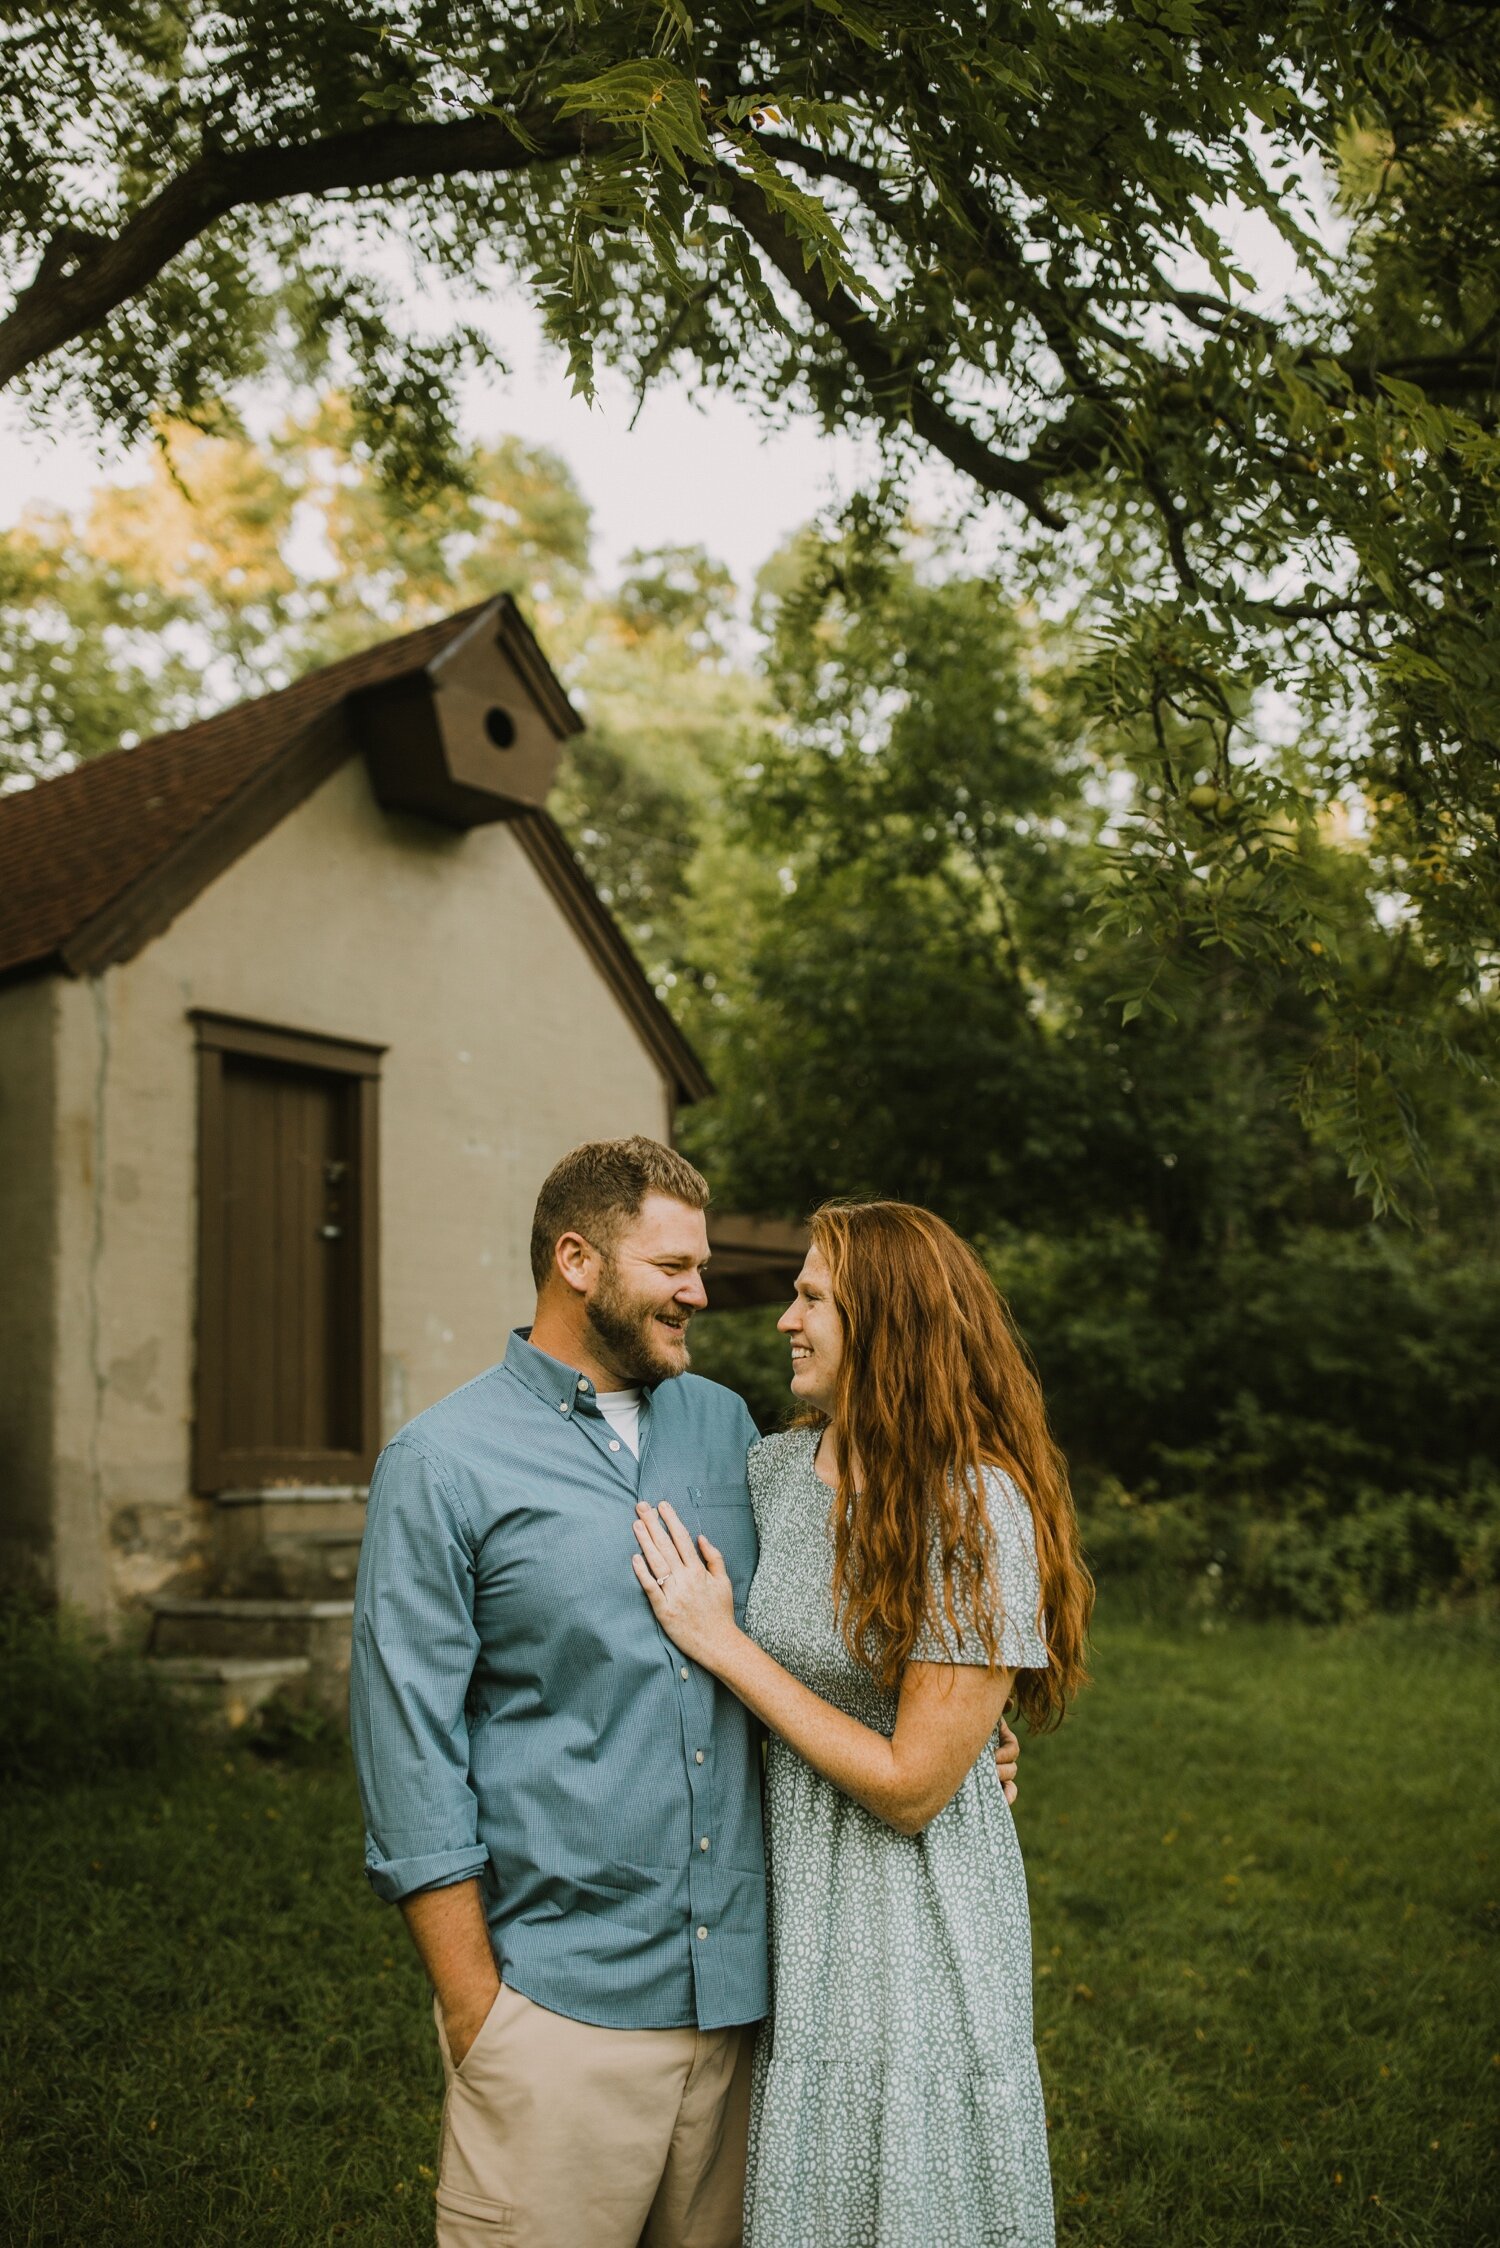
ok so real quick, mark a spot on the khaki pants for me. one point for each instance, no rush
(560, 2135)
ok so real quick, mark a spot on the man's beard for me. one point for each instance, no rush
(625, 1326)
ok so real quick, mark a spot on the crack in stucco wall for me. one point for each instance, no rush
(100, 1378)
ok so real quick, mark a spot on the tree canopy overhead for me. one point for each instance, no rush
(1008, 235)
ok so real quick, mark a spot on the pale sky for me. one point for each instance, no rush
(712, 475)
(709, 473)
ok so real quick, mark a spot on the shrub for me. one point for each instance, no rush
(1319, 1558)
(1314, 1448)
(1343, 1362)
(74, 1708)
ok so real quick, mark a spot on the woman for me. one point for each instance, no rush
(906, 1588)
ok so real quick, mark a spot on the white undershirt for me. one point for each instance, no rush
(622, 1409)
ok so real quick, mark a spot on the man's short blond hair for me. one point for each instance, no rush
(598, 1188)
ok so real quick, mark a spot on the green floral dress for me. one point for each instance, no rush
(896, 2100)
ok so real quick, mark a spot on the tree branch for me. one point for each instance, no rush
(1171, 523)
(1054, 316)
(1321, 612)
(828, 163)
(1079, 439)
(60, 305)
(876, 359)
(1444, 374)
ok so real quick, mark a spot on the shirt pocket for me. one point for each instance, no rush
(722, 1512)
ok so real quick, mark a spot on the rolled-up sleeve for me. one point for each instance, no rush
(415, 1647)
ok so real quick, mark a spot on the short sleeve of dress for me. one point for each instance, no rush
(1019, 1580)
(758, 1475)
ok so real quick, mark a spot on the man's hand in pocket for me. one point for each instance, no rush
(463, 2022)
(448, 1928)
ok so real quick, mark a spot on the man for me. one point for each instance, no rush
(566, 1811)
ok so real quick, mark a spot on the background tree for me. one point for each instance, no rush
(1259, 1391)
(235, 565)
(674, 719)
(1006, 236)
(858, 852)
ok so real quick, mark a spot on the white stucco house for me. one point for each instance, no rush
(297, 1008)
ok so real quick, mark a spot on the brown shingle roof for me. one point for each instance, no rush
(70, 847)
(96, 863)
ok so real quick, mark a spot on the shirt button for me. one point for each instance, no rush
(683, 1672)
(582, 1383)
(702, 1935)
(703, 1845)
(614, 1444)
(697, 1756)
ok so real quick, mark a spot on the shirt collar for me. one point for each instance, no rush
(562, 1387)
(549, 1379)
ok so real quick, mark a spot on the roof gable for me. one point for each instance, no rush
(72, 847)
(98, 861)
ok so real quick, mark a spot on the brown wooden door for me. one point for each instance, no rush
(291, 1317)
(286, 1309)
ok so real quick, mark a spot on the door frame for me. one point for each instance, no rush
(215, 1468)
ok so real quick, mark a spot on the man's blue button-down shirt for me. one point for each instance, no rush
(519, 1715)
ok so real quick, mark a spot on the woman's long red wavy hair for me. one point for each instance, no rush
(935, 1383)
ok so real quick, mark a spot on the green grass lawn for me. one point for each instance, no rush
(1265, 1878)
(1264, 1891)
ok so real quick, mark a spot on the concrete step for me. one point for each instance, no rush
(256, 1494)
(233, 1688)
(288, 1509)
(291, 1541)
(261, 1630)
(305, 1565)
